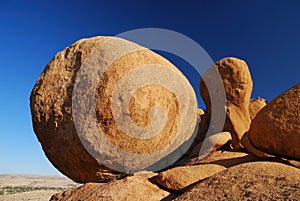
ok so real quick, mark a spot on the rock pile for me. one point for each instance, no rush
(256, 157)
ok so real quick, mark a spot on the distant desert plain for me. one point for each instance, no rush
(32, 187)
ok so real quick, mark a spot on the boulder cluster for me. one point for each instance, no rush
(255, 157)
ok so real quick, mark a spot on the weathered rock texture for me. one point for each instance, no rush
(276, 128)
(255, 106)
(180, 177)
(238, 86)
(137, 187)
(249, 181)
(52, 108)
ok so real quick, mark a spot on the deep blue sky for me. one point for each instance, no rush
(264, 33)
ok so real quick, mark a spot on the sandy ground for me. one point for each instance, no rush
(30, 187)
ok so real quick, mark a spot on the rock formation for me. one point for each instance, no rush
(94, 109)
(105, 108)
(238, 87)
(209, 180)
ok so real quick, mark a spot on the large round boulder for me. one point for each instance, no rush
(106, 106)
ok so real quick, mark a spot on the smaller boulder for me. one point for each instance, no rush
(276, 128)
(200, 113)
(216, 141)
(180, 177)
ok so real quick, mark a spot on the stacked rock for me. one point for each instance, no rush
(238, 87)
(105, 107)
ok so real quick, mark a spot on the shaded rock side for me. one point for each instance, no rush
(255, 106)
(224, 158)
(216, 141)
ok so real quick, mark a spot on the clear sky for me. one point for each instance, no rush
(264, 33)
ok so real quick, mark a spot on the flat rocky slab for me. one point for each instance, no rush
(249, 181)
(136, 187)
